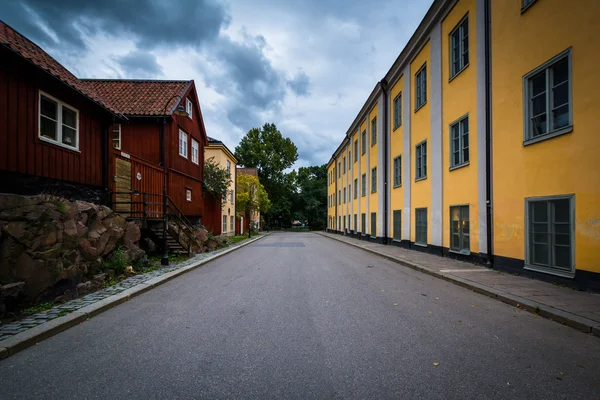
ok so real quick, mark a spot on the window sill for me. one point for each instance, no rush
(421, 106)
(461, 252)
(183, 157)
(457, 73)
(459, 166)
(551, 271)
(527, 7)
(397, 186)
(420, 179)
(420, 244)
(546, 136)
(55, 143)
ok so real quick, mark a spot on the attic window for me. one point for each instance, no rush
(189, 107)
(58, 122)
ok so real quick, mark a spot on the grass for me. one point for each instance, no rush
(236, 238)
(116, 262)
(36, 309)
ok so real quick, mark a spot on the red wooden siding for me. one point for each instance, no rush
(142, 139)
(177, 186)
(212, 215)
(20, 148)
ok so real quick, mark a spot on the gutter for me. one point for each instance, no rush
(383, 84)
(488, 136)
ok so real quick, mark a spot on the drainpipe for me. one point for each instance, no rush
(335, 172)
(383, 85)
(488, 136)
(165, 258)
(105, 163)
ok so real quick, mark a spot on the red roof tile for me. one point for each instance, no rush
(140, 97)
(32, 52)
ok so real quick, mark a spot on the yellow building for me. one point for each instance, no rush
(225, 159)
(474, 145)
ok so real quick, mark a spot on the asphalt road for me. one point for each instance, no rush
(300, 316)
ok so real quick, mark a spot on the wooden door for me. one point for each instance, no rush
(123, 184)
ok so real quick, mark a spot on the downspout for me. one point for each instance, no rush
(105, 163)
(335, 172)
(488, 136)
(383, 84)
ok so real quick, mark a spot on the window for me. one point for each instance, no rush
(459, 47)
(421, 87)
(356, 150)
(58, 122)
(224, 223)
(232, 197)
(398, 111)
(188, 194)
(189, 107)
(344, 195)
(363, 223)
(195, 152)
(373, 224)
(183, 144)
(421, 226)
(550, 227)
(363, 185)
(355, 221)
(344, 222)
(339, 169)
(344, 165)
(340, 222)
(116, 136)
(548, 111)
(459, 229)
(355, 188)
(350, 160)
(232, 223)
(525, 4)
(421, 161)
(397, 225)
(398, 171)
(363, 143)
(374, 131)
(349, 192)
(459, 142)
(374, 180)
(229, 168)
(339, 197)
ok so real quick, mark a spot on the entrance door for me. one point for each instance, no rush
(123, 184)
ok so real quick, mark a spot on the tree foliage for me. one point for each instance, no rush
(310, 199)
(217, 179)
(251, 196)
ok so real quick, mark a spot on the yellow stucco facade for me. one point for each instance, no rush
(225, 159)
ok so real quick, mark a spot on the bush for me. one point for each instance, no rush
(116, 262)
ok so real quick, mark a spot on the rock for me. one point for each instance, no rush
(202, 234)
(133, 254)
(102, 242)
(88, 251)
(83, 288)
(61, 299)
(10, 201)
(70, 228)
(103, 212)
(96, 229)
(83, 206)
(81, 229)
(212, 244)
(110, 274)
(129, 270)
(99, 277)
(132, 234)
(12, 290)
(148, 245)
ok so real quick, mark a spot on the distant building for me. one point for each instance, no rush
(244, 224)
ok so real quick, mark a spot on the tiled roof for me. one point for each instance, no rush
(139, 97)
(25, 48)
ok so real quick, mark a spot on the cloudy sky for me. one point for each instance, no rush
(305, 65)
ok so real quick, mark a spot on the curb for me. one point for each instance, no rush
(549, 312)
(33, 336)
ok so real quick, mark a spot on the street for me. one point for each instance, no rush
(301, 316)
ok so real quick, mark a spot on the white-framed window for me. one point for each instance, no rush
(459, 142)
(58, 122)
(525, 4)
(421, 161)
(232, 197)
(459, 47)
(363, 185)
(374, 180)
(189, 107)
(398, 111)
(116, 136)
(398, 171)
(374, 131)
(183, 144)
(195, 152)
(229, 167)
(232, 223)
(188, 194)
(421, 87)
(224, 223)
(548, 101)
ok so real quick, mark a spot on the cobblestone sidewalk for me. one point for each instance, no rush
(31, 321)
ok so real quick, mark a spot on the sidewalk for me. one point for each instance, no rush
(580, 310)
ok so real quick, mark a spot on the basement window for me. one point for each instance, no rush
(188, 194)
(58, 122)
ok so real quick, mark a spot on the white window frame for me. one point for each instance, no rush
(374, 131)
(195, 152)
(188, 194)
(397, 111)
(232, 223)
(397, 167)
(463, 238)
(462, 146)
(118, 126)
(374, 180)
(59, 124)
(189, 107)
(224, 223)
(421, 87)
(419, 227)
(229, 167)
(461, 47)
(528, 137)
(423, 159)
(183, 144)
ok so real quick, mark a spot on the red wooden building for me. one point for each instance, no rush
(53, 128)
(136, 160)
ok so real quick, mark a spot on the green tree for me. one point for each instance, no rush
(310, 200)
(271, 154)
(217, 179)
(250, 197)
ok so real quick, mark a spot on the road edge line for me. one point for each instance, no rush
(33, 336)
(564, 317)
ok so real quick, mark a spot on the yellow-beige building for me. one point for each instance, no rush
(225, 221)
(476, 144)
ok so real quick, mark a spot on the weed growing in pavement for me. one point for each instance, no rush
(36, 309)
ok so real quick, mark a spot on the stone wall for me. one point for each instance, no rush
(52, 244)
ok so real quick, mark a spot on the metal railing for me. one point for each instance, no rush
(149, 207)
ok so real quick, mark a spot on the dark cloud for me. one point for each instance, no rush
(299, 84)
(149, 23)
(139, 64)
